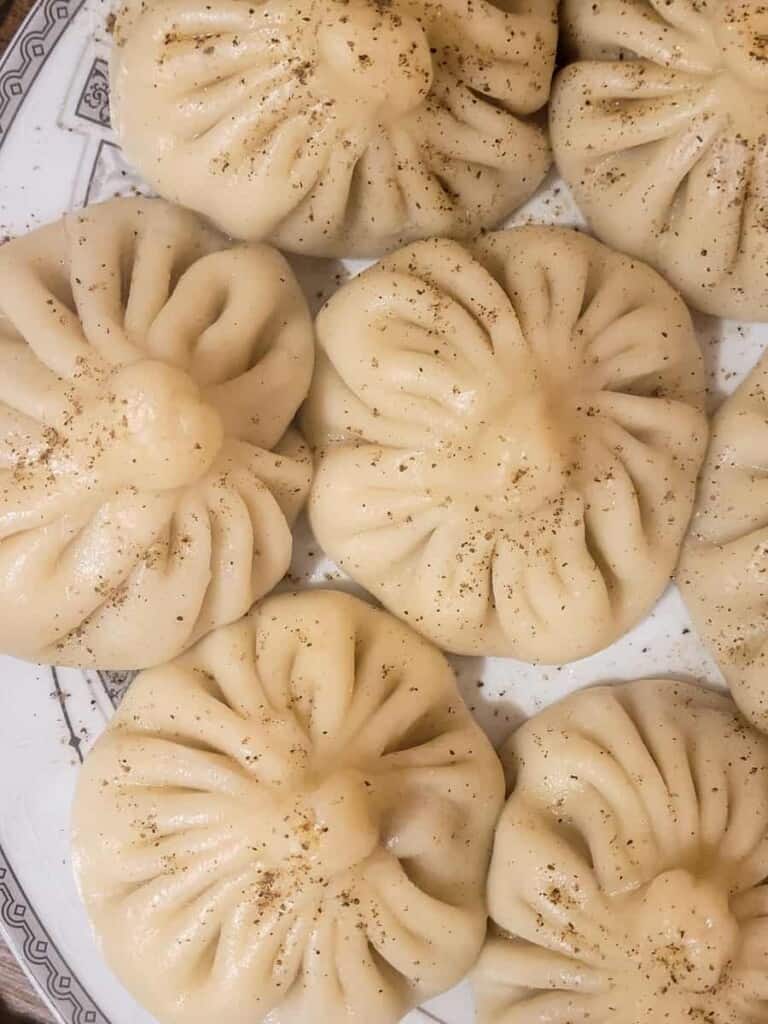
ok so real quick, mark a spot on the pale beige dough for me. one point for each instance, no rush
(723, 572)
(660, 128)
(149, 373)
(508, 437)
(627, 884)
(294, 819)
(338, 128)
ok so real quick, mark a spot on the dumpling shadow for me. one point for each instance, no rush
(311, 568)
(729, 349)
(319, 278)
(497, 715)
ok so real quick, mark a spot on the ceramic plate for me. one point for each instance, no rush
(57, 152)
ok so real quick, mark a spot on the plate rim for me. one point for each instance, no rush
(20, 924)
(27, 54)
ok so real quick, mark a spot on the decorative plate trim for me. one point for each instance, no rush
(93, 104)
(29, 50)
(28, 936)
(22, 927)
(115, 684)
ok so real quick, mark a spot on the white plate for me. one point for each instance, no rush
(57, 152)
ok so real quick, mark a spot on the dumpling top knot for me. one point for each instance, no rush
(377, 57)
(145, 425)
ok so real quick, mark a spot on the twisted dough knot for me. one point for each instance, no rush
(685, 933)
(152, 426)
(375, 54)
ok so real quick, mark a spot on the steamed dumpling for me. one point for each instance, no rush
(292, 819)
(628, 879)
(508, 439)
(337, 127)
(723, 571)
(661, 130)
(149, 373)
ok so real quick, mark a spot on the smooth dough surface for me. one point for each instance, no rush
(508, 437)
(293, 819)
(338, 127)
(660, 128)
(724, 565)
(149, 373)
(628, 878)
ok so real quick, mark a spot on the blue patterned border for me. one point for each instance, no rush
(41, 955)
(28, 52)
(20, 66)
(93, 104)
(115, 684)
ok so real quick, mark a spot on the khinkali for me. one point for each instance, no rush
(628, 879)
(723, 572)
(149, 372)
(337, 127)
(293, 819)
(661, 130)
(508, 437)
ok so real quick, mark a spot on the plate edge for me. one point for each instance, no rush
(28, 52)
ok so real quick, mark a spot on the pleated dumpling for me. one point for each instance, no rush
(660, 128)
(337, 127)
(723, 572)
(508, 438)
(293, 819)
(628, 878)
(149, 373)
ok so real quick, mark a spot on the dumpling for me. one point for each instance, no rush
(508, 436)
(628, 878)
(293, 819)
(723, 572)
(660, 128)
(149, 373)
(337, 127)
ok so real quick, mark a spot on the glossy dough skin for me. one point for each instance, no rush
(149, 373)
(722, 572)
(507, 438)
(337, 128)
(294, 819)
(627, 884)
(660, 128)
